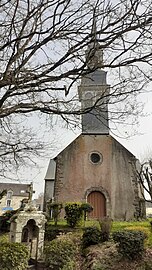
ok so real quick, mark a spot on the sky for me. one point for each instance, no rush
(140, 144)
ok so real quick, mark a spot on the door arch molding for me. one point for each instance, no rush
(106, 195)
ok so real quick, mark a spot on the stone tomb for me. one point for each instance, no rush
(28, 227)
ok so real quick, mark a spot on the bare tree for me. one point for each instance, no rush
(145, 180)
(42, 57)
(2, 194)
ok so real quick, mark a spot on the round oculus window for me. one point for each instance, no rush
(96, 157)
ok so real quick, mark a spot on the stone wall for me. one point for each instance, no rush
(76, 174)
(28, 226)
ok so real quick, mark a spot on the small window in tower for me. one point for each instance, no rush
(96, 157)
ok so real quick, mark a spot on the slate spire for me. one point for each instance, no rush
(94, 54)
(94, 90)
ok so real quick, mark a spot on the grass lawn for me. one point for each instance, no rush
(143, 225)
(104, 256)
(116, 225)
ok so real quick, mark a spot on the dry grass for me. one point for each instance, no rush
(105, 257)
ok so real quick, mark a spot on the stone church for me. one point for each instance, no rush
(95, 167)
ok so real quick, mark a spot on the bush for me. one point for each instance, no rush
(5, 220)
(69, 265)
(4, 237)
(145, 230)
(73, 213)
(60, 253)
(4, 224)
(130, 243)
(150, 223)
(53, 232)
(105, 225)
(56, 208)
(13, 256)
(86, 208)
(91, 236)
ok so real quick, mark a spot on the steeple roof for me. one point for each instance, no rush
(94, 55)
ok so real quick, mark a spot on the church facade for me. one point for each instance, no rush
(95, 167)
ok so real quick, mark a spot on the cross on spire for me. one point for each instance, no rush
(94, 25)
(94, 53)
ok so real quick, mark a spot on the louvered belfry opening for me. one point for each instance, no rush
(98, 202)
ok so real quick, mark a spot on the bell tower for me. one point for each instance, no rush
(94, 91)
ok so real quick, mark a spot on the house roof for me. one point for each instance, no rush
(18, 189)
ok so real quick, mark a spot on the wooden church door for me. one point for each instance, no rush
(98, 202)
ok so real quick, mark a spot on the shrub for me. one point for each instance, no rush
(86, 208)
(150, 223)
(69, 265)
(145, 230)
(56, 210)
(105, 225)
(91, 236)
(98, 266)
(4, 237)
(13, 256)
(53, 232)
(5, 220)
(130, 243)
(73, 213)
(59, 253)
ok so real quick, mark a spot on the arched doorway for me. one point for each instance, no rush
(98, 202)
(30, 234)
